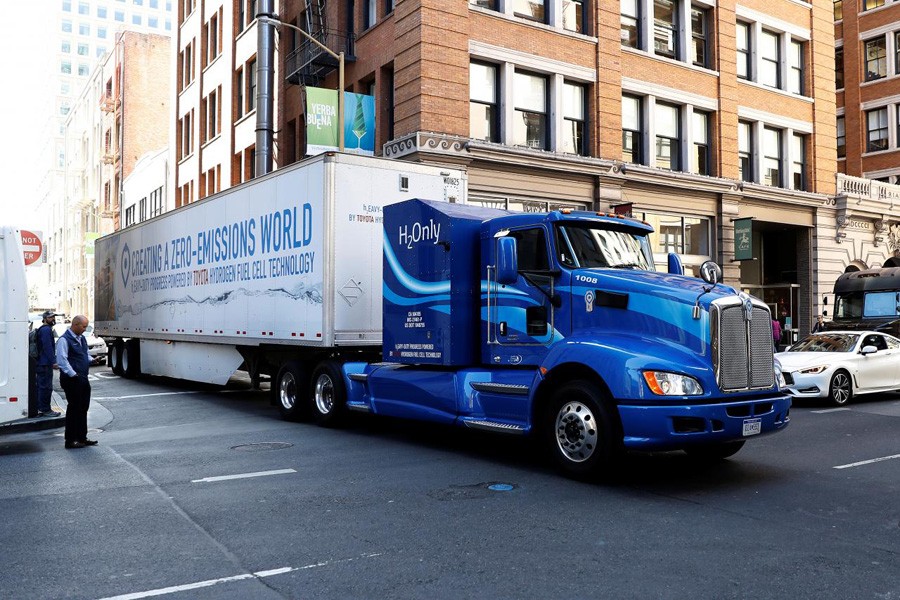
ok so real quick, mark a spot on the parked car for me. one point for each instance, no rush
(841, 364)
(96, 345)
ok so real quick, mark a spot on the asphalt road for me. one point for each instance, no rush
(196, 492)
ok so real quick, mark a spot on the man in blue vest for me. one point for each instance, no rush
(46, 362)
(74, 361)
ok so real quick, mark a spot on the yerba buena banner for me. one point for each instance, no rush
(322, 122)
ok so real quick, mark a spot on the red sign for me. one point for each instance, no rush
(32, 246)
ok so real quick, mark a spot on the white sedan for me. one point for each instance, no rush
(840, 364)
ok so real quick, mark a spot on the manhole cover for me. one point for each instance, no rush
(262, 446)
(476, 491)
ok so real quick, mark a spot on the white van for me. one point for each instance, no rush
(13, 328)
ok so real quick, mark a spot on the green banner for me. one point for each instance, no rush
(743, 238)
(89, 238)
(321, 120)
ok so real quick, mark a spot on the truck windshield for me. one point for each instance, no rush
(858, 305)
(587, 245)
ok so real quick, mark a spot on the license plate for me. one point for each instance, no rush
(752, 427)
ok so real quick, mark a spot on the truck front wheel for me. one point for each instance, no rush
(580, 431)
(114, 358)
(328, 394)
(289, 387)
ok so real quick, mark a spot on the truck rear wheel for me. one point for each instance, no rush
(328, 394)
(288, 388)
(130, 358)
(114, 350)
(580, 431)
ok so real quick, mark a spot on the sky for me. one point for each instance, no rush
(20, 123)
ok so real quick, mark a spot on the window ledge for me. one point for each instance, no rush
(244, 117)
(801, 3)
(210, 141)
(875, 10)
(877, 81)
(670, 61)
(878, 152)
(779, 91)
(211, 63)
(537, 24)
(186, 158)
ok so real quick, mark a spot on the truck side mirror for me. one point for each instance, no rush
(675, 265)
(507, 261)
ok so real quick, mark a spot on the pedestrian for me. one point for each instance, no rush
(74, 362)
(46, 362)
(776, 333)
(820, 324)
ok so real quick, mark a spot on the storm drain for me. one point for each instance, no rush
(261, 446)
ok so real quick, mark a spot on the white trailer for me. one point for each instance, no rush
(274, 276)
(13, 329)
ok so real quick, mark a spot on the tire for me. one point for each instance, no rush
(581, 431)
(840, 390)
(288, 389)
(130, 359)
(328, 394)
(714, 452)
(114, 353)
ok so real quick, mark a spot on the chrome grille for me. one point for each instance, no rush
(742, 350)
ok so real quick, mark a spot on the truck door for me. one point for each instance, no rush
(521, 322)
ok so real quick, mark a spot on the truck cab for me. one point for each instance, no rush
(558, 324)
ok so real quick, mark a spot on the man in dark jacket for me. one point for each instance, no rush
(46, 362)
(74, 363)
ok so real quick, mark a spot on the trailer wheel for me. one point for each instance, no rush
(328, 394)
(714, 452)
(130, 358)
(114, 350)
(288, 389)
(580, 431)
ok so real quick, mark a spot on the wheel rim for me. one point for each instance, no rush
(576, 431)
(324, 394)
(125, 359)
(287, 391)
(840, 388)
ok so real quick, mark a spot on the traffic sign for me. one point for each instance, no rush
(32, 246)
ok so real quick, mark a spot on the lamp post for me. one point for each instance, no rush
(275, 21)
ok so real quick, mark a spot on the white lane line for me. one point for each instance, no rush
(828, 410)
(867, 462)
(211, 582)
(244, 475)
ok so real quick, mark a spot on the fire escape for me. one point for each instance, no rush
(309, 64)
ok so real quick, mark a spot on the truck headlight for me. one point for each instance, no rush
(672, 384)
(813, 370)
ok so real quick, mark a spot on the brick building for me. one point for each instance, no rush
(689, 115)
(867, 78)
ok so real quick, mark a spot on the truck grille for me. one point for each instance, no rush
(742, 350)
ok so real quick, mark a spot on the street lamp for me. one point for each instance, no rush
(275, 21)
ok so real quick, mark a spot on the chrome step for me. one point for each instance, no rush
(514, 389)
(494, 426)
(359, 407)
(358, 377)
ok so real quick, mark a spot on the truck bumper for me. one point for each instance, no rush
(681, 425)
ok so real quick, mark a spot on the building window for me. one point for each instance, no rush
(629, 32)
(129, 216)
(369, 16)
(838, 10)
(66, 26)
(668, 136)
(795, 67)
(743, 50)
(876, 58)
(187, 65)
(101, 33)
(876, 130)
(683, 235)
(491, 4)
(212, 115)
(700, 159)
(665, 28)
(769, 59)
(142, 209)
(153, 22)
(870, 4)
(212, 38)
(798, 162)
(388, 6)
(839, 68)
(83, 50)
(632, 131)
(698, 37)
(745, 151)
(530, 116)
(83, 8)
(83, 70)
(483, 112)
(66, 46)
(251, 85)
(101, 12)
(841, 137)
(135, 19)
(67, 6)
(119, 16)
(573, 15)
(573, 119)
(534, 10)
(65, 67)
(239, 91)
(187, 142)
(771, 156)
(156, 202)
(84, 29)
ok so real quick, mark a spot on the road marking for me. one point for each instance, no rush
(828, 410)
(867, 462)
(211, 582)
(244, 475)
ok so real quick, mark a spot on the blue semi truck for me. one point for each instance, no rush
(558, 325)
